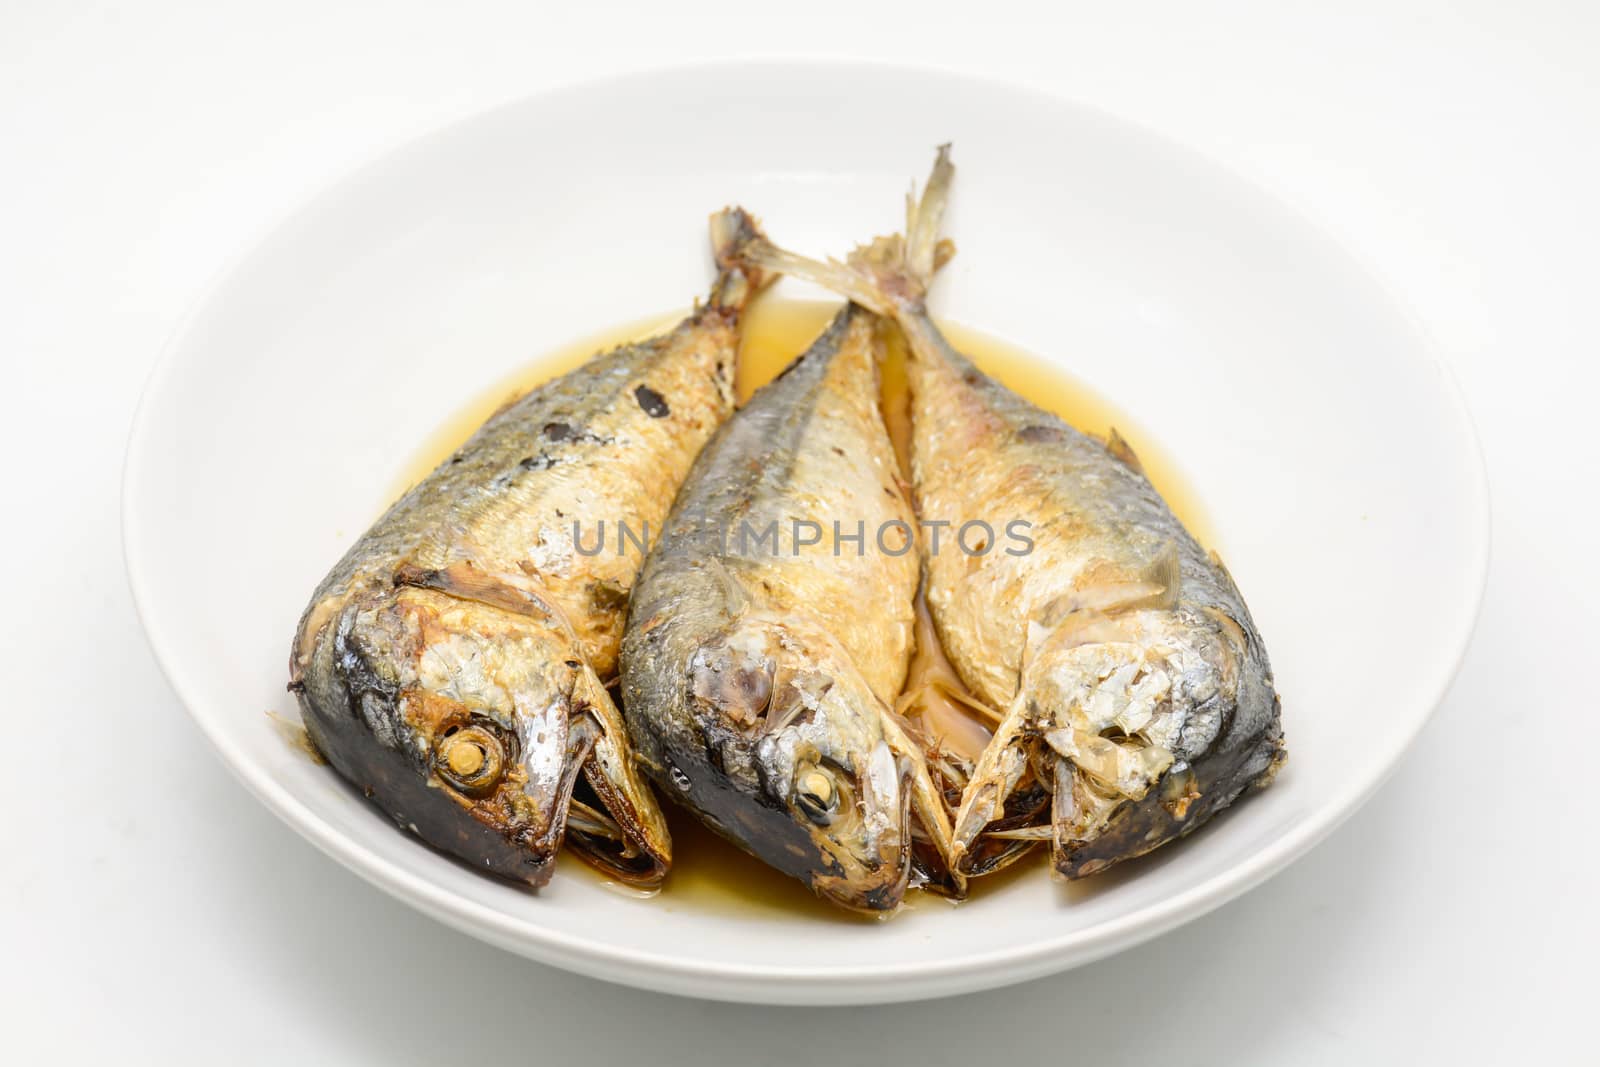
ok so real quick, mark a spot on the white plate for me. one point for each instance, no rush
(1330, 448)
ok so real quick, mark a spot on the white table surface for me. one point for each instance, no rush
(151, 910)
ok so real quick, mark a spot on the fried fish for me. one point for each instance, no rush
(454, 664)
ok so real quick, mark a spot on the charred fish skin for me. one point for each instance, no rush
(758, 669)
(1117, 647)
(452, 664)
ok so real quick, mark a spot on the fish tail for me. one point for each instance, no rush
(925, 252)
(734, 232)
(889, 275)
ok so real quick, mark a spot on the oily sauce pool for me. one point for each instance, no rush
(707, 872)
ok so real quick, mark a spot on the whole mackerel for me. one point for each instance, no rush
(453, 665)
(1118, 652)
(764, 651)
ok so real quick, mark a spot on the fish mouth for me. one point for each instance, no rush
(1131, 828)
(867, 848)
(600, 840)
(1180, 802)
(875, 888)
(879, 897)
(612, 819)
(837, 858)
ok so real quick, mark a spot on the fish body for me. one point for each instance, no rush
(1117, 652)
(453, 665)
(1116, 641)
(763, 654)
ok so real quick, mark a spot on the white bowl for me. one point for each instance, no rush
(1330, 447)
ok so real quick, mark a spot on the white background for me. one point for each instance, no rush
(151, 910)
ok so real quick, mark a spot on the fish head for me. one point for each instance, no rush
(1145, 721)
(449, 717)
(1158, 732)
(794, 763)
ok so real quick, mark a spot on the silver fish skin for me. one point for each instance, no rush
(759, 675)
(1118, 651)
(453, 664)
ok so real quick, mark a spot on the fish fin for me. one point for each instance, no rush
(1023, 833)
(735, 598)
(926, 801)
(464, 580)
(734, 231)
(830, 274)
(1227, 575)
(889, 273)
(1222, 569)
(642, 854)
(1165, 572)
(1119, 448)
(946, 714)
(1230, 627)
(519, 594)
(971, 703)
(992, 781)
(1156, 585)
(925, 252)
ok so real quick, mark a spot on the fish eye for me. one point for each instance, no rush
(470, 759)
(816, 794)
